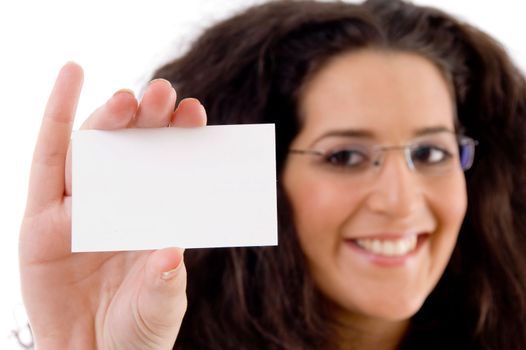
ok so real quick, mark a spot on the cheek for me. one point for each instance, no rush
(318, 207)
(321, 210)
(449, 207)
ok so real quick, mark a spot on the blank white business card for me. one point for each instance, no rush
(137, 189)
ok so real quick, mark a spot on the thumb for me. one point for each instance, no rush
(162, 301)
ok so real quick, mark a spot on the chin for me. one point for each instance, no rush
(395, 309)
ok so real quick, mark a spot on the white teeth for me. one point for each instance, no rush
(389, 247)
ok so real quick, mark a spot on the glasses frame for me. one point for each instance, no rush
(378, 152)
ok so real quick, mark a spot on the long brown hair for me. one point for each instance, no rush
(250, 69)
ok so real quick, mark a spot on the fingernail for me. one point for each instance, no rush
(162, 80)
(124, 91)
(203, 109)
(168, 275)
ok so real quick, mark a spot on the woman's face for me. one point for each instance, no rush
(377, 235)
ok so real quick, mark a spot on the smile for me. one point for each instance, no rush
(389, 247)
(388, 250)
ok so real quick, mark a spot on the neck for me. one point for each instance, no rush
(366, 333)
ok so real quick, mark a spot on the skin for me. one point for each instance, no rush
(136, 300)
(391, 95)
(123, 300)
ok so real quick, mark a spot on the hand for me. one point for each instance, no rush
(110, 300)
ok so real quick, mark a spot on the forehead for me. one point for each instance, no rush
(391, 94)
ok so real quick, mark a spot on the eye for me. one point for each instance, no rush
(430, 155)
(349, 158)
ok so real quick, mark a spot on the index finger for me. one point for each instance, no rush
(46, 183)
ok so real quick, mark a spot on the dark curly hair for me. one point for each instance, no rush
(250, 69)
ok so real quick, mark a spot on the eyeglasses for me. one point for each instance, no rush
(430, 155)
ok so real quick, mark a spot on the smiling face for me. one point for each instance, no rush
(377, 238)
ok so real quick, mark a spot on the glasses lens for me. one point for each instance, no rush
(434, 154)
(466, 152)
(437, 154)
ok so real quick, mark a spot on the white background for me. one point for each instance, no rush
(119, 43)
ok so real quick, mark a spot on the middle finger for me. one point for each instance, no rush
(157, 105)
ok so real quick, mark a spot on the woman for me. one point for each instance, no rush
(384, 241)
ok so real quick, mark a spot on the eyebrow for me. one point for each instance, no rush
(363, 133)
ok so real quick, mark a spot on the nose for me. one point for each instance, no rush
(396, 190)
